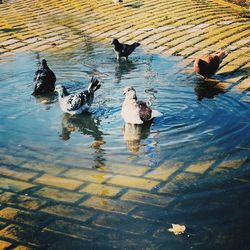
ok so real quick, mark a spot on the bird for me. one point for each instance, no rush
(134, 111)
(123, 50)
(117, 1)
(207, 64)
(44, 79)
(77, 103)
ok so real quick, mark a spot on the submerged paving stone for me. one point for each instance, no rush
(59, 195)
(199, 167)
(146, 198)
(133, 182)
(58, 182)
(122, 222)
(24, 201)
(17, 173)
(4, 244)
(102, 190)
(87, 175)
(23, 217)
(14, 185)
(108, 205)
(164, 171)
(69, 212)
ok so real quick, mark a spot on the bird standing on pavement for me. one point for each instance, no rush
(123, 50)
(136, 112)
(44, 79)
(207, 64)
(79, 102)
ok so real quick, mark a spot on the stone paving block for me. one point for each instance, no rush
(164, 171)
(179, 183)
(20, 247)
(126, 168)
(58, 182)
(67, 243)
(108, 205)
(123, 223)
(87, 175)
(146, 198)
(14, 185)
(4, 244)
(133, 182)
(28, 235)
(232, 164)
(44, 167)
(102, 190)
(59, 195)
(228, 69)
(199, 167)
(240, 60)
(70, 229)
(242, 86)
(69, 212)
(23, 217)
(11, 160)
(18, 173)
(24, 201)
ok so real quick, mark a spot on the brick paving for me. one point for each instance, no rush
(45, 205)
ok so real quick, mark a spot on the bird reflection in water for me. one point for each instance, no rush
(46, 99)
(209, 89)
(85, 124)
(123, 68)
(134, 133)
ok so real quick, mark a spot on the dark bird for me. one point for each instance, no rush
(123, 50)
(207, 64)
(134, 111)
(79, 102)
(44, 79)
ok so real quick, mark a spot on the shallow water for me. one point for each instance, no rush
(200, 124)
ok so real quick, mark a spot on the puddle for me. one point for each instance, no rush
(199, 124)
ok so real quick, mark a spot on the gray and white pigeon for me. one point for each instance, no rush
(77, 103)
(44, 79)
(123, 50)
(134, 111)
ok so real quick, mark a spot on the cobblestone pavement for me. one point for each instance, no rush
(45, 204)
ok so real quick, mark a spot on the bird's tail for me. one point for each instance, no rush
(94, 85)
(155, 113)
(221, 54)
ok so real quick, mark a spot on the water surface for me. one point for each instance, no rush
(200, 124)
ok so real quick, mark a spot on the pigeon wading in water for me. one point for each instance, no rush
(207, 64)
(77, 103)
(44, 80)
(136, 112)
(123, 50)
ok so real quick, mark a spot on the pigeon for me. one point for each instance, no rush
(136, 112)
(77, 103)
(207, 64)
(123, 50)
(44, 80)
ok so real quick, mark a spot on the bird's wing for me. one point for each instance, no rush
(40, 76)
(128, 49)
(144, 111)
(75, 101)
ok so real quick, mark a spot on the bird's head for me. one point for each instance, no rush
(114, 41)
(61, 90)
(44, 63)
(129, 92)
